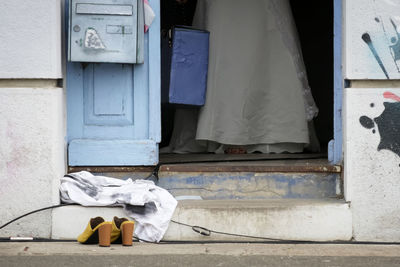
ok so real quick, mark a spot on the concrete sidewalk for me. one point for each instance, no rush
(73, 254)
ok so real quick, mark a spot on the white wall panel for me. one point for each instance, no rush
(372, 39)
(30, 34)
(32, 159)
(372, 158)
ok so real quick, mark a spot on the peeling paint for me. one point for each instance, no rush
(242, 185)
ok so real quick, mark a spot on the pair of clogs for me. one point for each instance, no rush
(98, 231)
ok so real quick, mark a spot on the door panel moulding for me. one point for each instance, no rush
(85, 152)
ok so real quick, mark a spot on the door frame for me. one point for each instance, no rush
(155, 75)
(335, 149)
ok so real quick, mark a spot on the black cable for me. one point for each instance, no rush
(265, 240)
(38, 210)
(207, 232)
(154, 174)
(198, 229)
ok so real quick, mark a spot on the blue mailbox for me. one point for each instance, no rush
(109, 31)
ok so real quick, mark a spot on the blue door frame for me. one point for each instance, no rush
(336, 145)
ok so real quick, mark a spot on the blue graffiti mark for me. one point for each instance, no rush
(395, 48)
(367, 39)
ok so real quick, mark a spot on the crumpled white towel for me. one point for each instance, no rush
(152, 219)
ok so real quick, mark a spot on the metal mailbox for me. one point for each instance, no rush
(109, 31)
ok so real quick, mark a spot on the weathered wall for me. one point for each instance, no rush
(371, 117)
(372, 170)
(372, 43)
(31, 157)
(30, 44)
(32, 131)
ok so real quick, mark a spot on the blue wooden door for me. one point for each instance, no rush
(113, 110)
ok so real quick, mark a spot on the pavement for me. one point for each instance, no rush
(229, 254)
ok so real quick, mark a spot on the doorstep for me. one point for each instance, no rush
(289, 219)
(260, 178)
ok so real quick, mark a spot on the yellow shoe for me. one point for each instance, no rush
(97, 231)
(122, 231)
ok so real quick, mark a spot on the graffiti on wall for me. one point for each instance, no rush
(389, 30)
(388, 124)
(373, 28)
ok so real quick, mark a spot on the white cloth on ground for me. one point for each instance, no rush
(152, 219)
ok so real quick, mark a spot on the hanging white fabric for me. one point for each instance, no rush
(287, 27)
(150, 206)
(258, 96)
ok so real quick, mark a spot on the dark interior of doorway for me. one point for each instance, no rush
(314, 20)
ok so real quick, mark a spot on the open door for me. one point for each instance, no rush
(113, 110)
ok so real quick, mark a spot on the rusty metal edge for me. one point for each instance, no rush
(244, 168)
(211, 168)
(99, 169)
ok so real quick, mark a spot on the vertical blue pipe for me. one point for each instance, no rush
(336, 145)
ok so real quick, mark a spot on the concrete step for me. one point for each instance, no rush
(270, 179)
(251, 185)
(314, 220)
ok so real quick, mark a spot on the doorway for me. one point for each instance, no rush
(314, 22)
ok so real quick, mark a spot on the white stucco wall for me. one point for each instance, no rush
(372, 26)
(372, 176)
(30, 34)
(31, 157)
(32, 113)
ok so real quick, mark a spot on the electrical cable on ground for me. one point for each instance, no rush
(207, 232)
(197, 229)
(32, 212)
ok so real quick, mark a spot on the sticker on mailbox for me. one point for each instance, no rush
(119, 29)
(93, 40)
